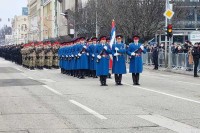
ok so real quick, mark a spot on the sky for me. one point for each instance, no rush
(10, 8)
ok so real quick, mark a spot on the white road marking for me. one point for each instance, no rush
(47, 80)
(23, 74)
(171, 80)
(30, 78)
(19, 69)
(163, 93)
(170, 124)
(52, 90)
(88, 110)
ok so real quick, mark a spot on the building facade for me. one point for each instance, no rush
(20, 29)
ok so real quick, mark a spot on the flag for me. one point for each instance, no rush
(113, 34)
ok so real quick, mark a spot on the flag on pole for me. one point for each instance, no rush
(113, 33)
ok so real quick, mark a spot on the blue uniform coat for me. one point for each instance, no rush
(102, 67)
(119, 63)
(136, 63)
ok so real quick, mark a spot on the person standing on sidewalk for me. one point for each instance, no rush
(155, 53)
(196, 56)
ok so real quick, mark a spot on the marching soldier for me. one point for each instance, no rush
(48, 55)
(83, 58)
(92, 57)
(32, 56)
(102, 52)
(135, 51)
(55, 55)
(119, 63)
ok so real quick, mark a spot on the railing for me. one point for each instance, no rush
(179, 61)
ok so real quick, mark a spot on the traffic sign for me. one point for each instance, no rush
(168, 13)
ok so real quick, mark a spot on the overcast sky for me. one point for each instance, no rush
(10, 8)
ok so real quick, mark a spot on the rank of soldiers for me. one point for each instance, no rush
(80, 58)
(95, 57)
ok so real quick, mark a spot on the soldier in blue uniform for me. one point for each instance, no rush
(102, 53)
(135, 51)
(83, 58)
(119, 63)
(92, 57)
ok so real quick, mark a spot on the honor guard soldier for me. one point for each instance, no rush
(102, 51)
(119, 63)
(83, 58)
(111, 59)
(196, 57)
(92, 51)
(135, 51)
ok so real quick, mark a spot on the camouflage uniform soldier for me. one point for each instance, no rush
(37, 55)
(41, 56)
(48, 55)
(55, 55)
(32, 56)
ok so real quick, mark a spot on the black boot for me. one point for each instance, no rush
(137, 78)
(116, 79)
(134, 78)
(120, 79)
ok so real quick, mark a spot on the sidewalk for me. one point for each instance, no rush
(177, 71)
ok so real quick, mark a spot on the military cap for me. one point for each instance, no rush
(119, 36)
(102, 38)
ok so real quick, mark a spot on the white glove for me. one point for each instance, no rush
(87, 54)
(84, 47)
(66, 55)
(142, 47)
(133, 54)
(98, 56)
(76, 55)
(116, 48)
(116, 54)
(72, 55)
(79, 54)
(92, 55)
(105, 47)
(63, 56)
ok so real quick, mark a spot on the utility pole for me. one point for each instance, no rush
(96, 3)
(75, 18)
(166, 39)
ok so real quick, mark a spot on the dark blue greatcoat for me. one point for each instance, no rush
(92, 57)
(102, 66)
(119, 63)
(136, 63)
(83, 59)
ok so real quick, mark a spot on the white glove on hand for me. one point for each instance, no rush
(72, 55)
(116, 48)
(116, 54)
(79, 54)
(84, 47)
(98, 56)
(142, 47)
(92, 55)
(105, 47)
(66, 55)
(133, 54)
(87, 54)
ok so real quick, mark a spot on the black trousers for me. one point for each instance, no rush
(196, 63)
(118, 78)
(103, 79)
(155, 62)
(135, 77)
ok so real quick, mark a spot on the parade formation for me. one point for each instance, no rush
(94, 57)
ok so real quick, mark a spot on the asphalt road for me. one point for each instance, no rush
(45, 101)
